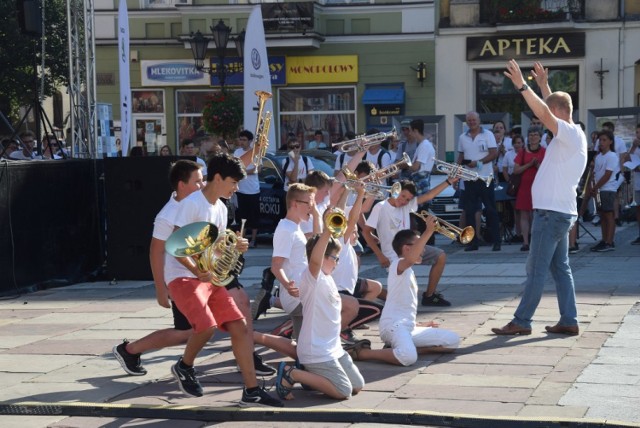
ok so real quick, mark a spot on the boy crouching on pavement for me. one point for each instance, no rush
(327, 367)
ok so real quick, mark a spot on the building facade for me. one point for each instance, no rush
(336, 66)
(589, 47)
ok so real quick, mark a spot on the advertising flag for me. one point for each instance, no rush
(125, 83)
(256, 75)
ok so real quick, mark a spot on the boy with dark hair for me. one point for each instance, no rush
(392, 215)
(206, 305)
(398, 327)
(185, 177)
(606, 166)
(327, 367)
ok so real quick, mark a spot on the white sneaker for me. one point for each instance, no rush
(596, 220)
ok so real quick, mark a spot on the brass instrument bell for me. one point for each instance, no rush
(447, 229)
(336, 222)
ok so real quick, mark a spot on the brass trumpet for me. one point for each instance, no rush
(363, 142)
(261, 139)
(375, 190)
(447, 229)
(336, 222)
(454, 170)
(389, 171)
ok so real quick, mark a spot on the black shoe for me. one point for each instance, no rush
(636, 241)
(259, 398)
(604, 248)
(187, 380)
(598, 246)
(261, 368)
(618, 222)
(575, 249)
(471, 248)
(496, 247)
(435, 299)
(129, 362)
(260, 304)
(525, 247)
(347, 337)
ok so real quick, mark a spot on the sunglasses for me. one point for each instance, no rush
(294, 147)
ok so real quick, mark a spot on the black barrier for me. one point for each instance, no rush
(49, 223)
(136, 189)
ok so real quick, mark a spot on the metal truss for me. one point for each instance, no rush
(82, 78)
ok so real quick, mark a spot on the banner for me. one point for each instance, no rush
(288, 17)
(125, 82)
(256, 75)
(322, 69)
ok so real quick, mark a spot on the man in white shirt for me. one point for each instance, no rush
(554, 203)
(248, 189)
(477, 149)
(295, 166)
(423, 158)
(28, 139)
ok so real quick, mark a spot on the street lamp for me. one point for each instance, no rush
(220, 37)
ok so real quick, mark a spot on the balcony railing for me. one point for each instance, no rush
(530, 11)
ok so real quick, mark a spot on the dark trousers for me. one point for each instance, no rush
(475, 191)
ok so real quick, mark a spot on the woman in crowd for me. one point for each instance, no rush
(166, 151)
(508, 164)
(527, 163)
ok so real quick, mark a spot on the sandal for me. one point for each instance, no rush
(285, 375)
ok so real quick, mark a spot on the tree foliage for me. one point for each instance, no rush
(19, 54)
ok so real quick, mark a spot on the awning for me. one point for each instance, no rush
(381, 96)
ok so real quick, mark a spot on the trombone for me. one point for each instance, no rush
(363, 142)
(454, 170)
(447, 229)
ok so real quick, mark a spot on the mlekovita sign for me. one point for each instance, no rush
(171, 73)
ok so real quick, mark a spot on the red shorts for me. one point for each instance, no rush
(204, 304)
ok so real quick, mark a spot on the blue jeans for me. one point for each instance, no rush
(549, 251)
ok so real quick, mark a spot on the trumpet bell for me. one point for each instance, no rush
(191, 239)
(395, 190)
(336, 222)
(466, 235)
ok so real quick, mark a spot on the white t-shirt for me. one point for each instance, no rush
(425, 154)
(603, 163)
(506, 142)
(251, 184)
(478, 148)
(191, 209)
(307, 225)
(163, 224)
(345, 274)
(339, 165)
(509, 161)
(319, 339)
(385, 161)
(635, 157)
(554, 187)
(402, 299)
(388, 221)
(302, 169)
(290, 243)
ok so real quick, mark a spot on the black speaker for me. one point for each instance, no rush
(136, 190)
(30, 17)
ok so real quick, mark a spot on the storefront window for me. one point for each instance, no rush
(305, 110)
(496, 94)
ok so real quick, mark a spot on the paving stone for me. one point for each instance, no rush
(549, 392)
(472, 393)
(64, 347)
(608, 374)
(535, 410)
(480, 380)
(462, 407)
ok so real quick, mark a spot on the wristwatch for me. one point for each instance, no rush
(524, 88)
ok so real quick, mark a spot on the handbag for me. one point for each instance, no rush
(513, 184)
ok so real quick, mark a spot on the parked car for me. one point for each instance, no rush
(273, 205)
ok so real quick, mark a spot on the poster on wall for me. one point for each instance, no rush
(148, 101)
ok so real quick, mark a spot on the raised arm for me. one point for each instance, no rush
(415, 253)
(536, 104)
(541, 75)
(317, 255)
(432, 193)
